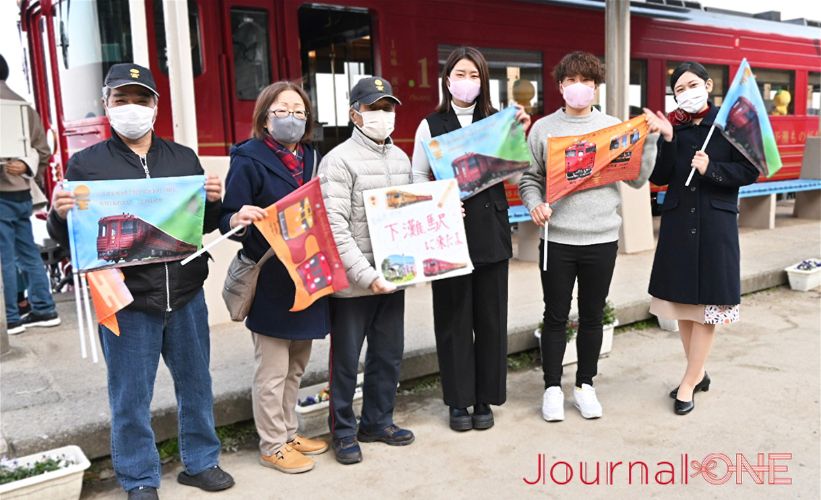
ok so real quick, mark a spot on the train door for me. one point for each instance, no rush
(336, 48)
(251, 56)
(208, 67)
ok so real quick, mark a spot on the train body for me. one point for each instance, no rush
(435, 267)
(743, 126)
(473, 170)
(127, 237)
(240, 46)
(579, 159)
(397, 199)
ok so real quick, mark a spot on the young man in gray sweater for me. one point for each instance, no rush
(582, 241)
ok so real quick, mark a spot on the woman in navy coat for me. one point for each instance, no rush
(696, 277)
(264, 169)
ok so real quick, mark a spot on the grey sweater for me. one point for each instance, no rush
(585, 217)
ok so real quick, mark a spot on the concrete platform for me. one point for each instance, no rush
(763, 399)
(51, 397)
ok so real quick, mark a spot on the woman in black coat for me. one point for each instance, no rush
(264, 169)
(696, 278)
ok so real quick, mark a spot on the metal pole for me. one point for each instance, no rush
(139, 32)
(617, 56)
(180, 73)
(4, 334)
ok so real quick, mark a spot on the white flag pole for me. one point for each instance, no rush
(78, 302)
(212, 244)
(89, 321)
(544, 251)
(703, 147)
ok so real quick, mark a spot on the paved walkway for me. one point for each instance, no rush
(763, 399)
(49, 396)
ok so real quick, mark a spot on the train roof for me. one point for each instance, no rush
(694, 13)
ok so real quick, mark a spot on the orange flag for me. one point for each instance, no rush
(109, 294)
(297, 229)
(591, 160)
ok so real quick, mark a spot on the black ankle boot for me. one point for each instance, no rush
(460, 419)
(482, 416)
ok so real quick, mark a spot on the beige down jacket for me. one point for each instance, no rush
(354, 166)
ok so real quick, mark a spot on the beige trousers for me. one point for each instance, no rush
(278, 368)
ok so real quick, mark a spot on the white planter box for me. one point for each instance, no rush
(63, 484)
(804, 280)
(313, 419)
(570, 354)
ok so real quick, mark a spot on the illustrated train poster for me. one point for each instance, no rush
(417, 232)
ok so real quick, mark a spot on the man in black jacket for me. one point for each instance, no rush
(168, 316)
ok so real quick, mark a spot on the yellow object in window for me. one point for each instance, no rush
(781, 103)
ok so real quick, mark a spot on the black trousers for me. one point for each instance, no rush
(593, 266)
(380, 319)
(470, 323)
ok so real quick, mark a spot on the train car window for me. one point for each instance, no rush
(92, 36)
(777, 87)
(814, 94)
(336, 51)
(719, 73)
(637, 98)
(515, 77)
(194, 32)
(252, 54)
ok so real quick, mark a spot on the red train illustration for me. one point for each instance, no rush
(579, 159)
(435, 267)
(127, 237)
(621, 142)
(474, 171)
(742, 125)
(316, 273)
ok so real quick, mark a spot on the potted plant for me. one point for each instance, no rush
(609, 324)
(55, 475)
(805, 275)
(313, 405)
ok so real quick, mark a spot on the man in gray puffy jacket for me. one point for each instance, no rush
(371, 308)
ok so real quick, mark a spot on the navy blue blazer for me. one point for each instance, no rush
(697, 257)
(257, 177)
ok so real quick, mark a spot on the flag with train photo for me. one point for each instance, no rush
(117, 223)
(482, 154)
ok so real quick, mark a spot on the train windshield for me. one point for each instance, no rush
(570, 153)
(129, 227)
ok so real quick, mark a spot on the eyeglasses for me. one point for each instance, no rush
(283, 113)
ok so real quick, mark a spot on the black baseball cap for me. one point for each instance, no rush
(369, 90)
(124, 74)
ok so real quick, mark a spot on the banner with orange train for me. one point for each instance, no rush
(580, 162)
(297, 229)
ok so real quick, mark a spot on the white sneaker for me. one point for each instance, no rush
(587, 402)
(553, 404)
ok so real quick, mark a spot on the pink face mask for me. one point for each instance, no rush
(466, 90)
(578, 95)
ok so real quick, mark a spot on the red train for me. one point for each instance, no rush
(579, 159)
(239, 46)
(742, 124)
(127, 237)
(473, 170)
(435, 267)
(316, 273)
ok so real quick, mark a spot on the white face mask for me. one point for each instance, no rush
(131, 120)
(693, 100)
(377, 125)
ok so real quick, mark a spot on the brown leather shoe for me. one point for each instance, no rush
(308, 446)
(287, 460)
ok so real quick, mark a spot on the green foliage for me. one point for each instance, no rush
(11, 471)
(523, 360)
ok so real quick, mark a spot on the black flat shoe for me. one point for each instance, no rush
(703, 386)
(460, 419)
(213, 479)
(684, 407)
(482, 416)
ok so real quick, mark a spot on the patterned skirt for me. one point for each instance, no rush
(706, 314)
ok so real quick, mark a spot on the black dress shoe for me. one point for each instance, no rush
(684, 407)
(704, 386)
(482, 416)
(213, 479)
(143, 493)
(460, 419)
